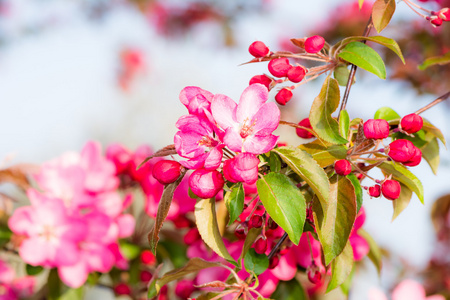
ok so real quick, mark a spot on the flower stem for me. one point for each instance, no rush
(274, 250)
(438, 100)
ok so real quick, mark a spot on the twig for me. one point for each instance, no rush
(274, 250)
(438, 100)
(351, 76)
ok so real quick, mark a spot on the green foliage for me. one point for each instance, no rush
(130, 251)
(341, 74)
(364, 57)
(255, 263)
(435, 60)
(234, 200)
(344, 124)
(284, 202)
(402, 202)
(382, 12)
(289, 290)
(387, 114)
(33, 270)
(430, 152)
(324, 155)
(341, 267)
(251, 237)
(358, 190)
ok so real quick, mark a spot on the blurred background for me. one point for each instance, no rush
(111, 71)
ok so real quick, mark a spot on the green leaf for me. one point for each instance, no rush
(335, 222)
(193, 266)
(364, 57)
(402, 201)
(341, 267)
(341, 74)
(33, 270)
(308, 169)
(54, 285)
(251, 237)
(234, 200)
(284, 202)
(73, 294)
(289, 290)
(274, 162)
(346, 286)
(163, 210)
(382, 12)
(320, 115)
(324, 155)
(435, 60)
(358, 190)
(387, 114)
(375, 252)
(403, 175)
(344, 124)
(206, 219)
(130, 251)
(430, 128)
(430, 152)
(174, 251)
(254, 262)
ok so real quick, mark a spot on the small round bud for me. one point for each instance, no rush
(147, 258)
(444, 14)
(411, 123)
(391, 189)
(314, 274)
(240, 232)
(191, 236)
(167, 171)
(283, 96)
(342, 167)
(376, 129)
(261, 79)
(314, 44)
(184, 288)
(296, 74)
(271, 224)
(206, 183)
(260, 245)
(145, 276)
(304, 134)
(122, 289)
(258, 49)
(273, 262)
(401, 150)
(256, 221)
(375, 191)
(279, 67)
(415, 159)
(436, 22)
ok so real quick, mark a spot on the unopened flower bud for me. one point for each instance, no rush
(240, 232)
(411, 123)
(304, 134)
(415, 159)
(314, 44)
(401, 150)
(391, 189)
(261, 79)
(314, 274)
(375, 191)
(296, 74)
(145, 276)
(258, 49)
(271, 224)
(256, 221)
(279, 67)
(436, 22)
(342, 167)
(147, 258)
(122, 289)
(376, 129)
(260, 245)
(191, 236)
(206, 183)
(184, 288)
(241, 168)
(167, 171)
(283, 96)
(444, 14)
(273, 262)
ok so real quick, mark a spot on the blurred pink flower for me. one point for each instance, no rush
(359, 244)
(406, 290)
(12, 288)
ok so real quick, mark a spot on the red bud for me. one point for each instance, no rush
(411, 123)
(401, 150)
(391, 189)
(415, 159)
(376, 129)
(262, 79)
(145, 276)
(436, 21)
(283, 96)
(240, 232)
(302, 132)
(314, 44)
(147, 257)
(273, 262)
(375, 191)
(296, 74)
(191, 236)
(122, 289)
(279, 67)
(256, 221)
(260, 245)
(342, 167)
(314, 274)
(258, 49)
(167, 171)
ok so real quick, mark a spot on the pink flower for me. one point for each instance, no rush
(248, 125)
(51, 234)
(12, 288)
(406, 290)
(241, 168)
(197, 141)
(205, 183)
(197, 101)
(359, 244)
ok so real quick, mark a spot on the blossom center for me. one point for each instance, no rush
(48, 232)
(246, 129)
(207, 142)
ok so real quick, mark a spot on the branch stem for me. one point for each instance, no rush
(274, 250)
(438, 100)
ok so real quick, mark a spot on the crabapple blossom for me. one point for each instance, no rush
(391, 189)
(279, 67)
(304, 134)
(283, 96)
(375, 191)
(342, 167)
(206, 183)
(401, 150)
(258, 49)
(262, 79)
(248, 125)
(411, 123)
(197, 101)
(167, 171)
(314, 44)
(376, 129)
(241, 168)
(296, 74)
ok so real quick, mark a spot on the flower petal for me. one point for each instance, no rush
(213, 159)
(233, 140)
(260, 144)
(223, 110)
(266, 120)
(251, 100)
(188, 93)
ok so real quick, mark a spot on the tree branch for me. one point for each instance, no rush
(438, 100)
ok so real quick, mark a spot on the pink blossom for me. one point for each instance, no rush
(248, 125)
(51, 234)
(359, 244)
(198, 142)
(241, 168)
(197, 101)
(406, 290)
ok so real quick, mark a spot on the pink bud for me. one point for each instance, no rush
(206, 183)
(411, 123)
(375, 191)
(415, 159)
(342, 167)
(240, 232)
(436, 22)
(261, 79)
(122, 289)
(302, 132)
(147, 257)
(314, 274)
(314, 44)
(167, 171)
(279, 67)
(283, 96)
(258, 49)
(184, 288)
(296, 74)
(391, 189)
(271, 224)
(273, 262)
(256, 221)
(120, 156)
(191, 236)
(444, 14)
(376, 129)
(260, 245)
(241, 168)
(401, 150)
(145, 276)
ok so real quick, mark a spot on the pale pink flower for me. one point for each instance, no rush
(359, 244)
(197, 101)
(248, 125)
(406, 290)
(51, 234)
